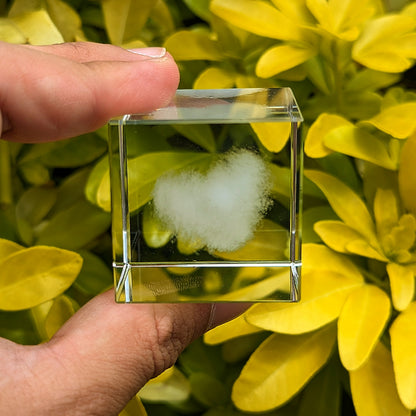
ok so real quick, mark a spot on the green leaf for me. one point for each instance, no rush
(95, 275)
(370, 80)
(403, 349)
(346, 204)
(38, 28)
(200, 8)
(74, 227)
(373, 387)
(170, 386)
(322, 396)
(361, 323)
(35, 275)
(187, 45)
(239, 349)
(201, 358)
(35, 203)
(143, 171)
(125, 20)
(74, 152)
(269, 379)
(34, 173)
(387, 44)
(200, 134)
(280, 58)
(208, 390)
(258, 17)
(97, 188)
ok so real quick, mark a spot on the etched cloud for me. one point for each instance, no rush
(219, 209)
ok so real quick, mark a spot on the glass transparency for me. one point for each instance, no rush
(206, 198)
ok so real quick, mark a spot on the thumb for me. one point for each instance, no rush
(54, 92)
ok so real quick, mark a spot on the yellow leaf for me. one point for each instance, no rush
(277, 286)
(342, 18)
(373, 387)
(155, 233)
(386, 211)
(356, 142)
(134, 408)
(10, 33)
(186, 45)
(61, 310)
(403, 349)
(407, 174)
(323, 296)
(213, 78)
(334, 262)
(236, 328)
(280, 367)
(273, 136)
(399, 120)
(325, 123)
(269, 243)
(346, 204)
(124, 20)
(34, 275)
(387, 44)
(281, 58)
(336, 234)
(170, 386)
(258, 17)
(363, 248)
(402, 285)
(360, 324)
(8, 247)
(38, 28)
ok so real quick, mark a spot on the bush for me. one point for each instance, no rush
(352, 338)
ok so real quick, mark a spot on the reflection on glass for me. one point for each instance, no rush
(206, 198)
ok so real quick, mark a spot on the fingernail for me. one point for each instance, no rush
(224, 312)
(149, 52)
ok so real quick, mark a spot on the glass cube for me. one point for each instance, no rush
(206, 198)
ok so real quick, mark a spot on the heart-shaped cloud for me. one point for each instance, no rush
(219, 209)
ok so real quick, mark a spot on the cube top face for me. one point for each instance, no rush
(227, 106)
(206, 198)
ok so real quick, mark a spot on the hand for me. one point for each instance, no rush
(106, 352)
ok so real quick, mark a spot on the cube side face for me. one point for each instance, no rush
(206, 203)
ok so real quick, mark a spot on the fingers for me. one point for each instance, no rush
(60, 91)
(111, 350)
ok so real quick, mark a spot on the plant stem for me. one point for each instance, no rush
(338, 76)
(375, 280)
(6, 193)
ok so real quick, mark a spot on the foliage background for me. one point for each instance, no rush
(350, 346)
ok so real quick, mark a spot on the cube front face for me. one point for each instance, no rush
(206, 198)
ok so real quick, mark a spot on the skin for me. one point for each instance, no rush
(106, 352)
